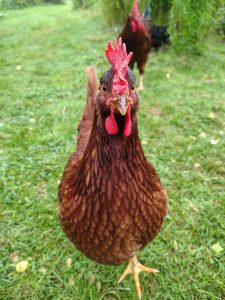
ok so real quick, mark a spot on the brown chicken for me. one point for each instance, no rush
(136, 35)
(111, 201)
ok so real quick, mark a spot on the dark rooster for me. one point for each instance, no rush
(159, 35)
(136, 36)
(111, 201)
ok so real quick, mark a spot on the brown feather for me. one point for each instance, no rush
(85, 126)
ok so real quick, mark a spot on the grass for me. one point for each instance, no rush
(44, 51)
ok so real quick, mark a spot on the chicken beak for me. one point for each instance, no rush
(122, 105)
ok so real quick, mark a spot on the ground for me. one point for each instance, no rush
(44, 52)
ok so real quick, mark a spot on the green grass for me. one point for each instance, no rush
(40, 108)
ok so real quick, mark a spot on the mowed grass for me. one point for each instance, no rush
(44, 52)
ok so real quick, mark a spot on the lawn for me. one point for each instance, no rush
(43, 55)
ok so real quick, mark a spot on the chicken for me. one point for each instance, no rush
(111, 201)
(136, 36)
(158, 34)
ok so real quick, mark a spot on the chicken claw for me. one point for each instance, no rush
(135, 267)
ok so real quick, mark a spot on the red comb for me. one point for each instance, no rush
(135, 18)
(119, 60)
(135, 11)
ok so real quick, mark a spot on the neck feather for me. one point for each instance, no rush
(107, 148)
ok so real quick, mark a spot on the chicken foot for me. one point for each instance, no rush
(135, 267)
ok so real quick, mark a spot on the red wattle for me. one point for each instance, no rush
(110, 124)
(133, 26)
(127, 127)
(140, 26)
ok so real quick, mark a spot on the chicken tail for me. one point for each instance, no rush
(85, 126)
(147, 12)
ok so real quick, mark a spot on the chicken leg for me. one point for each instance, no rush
(135, 267)
(141, 86)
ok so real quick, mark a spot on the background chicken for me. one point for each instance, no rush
(112, 203)
(159, 35)
(136, 35)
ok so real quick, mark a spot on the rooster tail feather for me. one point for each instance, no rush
(147, 12)
(85, 126)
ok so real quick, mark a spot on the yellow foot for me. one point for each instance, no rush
(140, 88)
(135, 267)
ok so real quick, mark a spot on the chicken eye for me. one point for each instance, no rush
(133, 88)
(103, 89)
